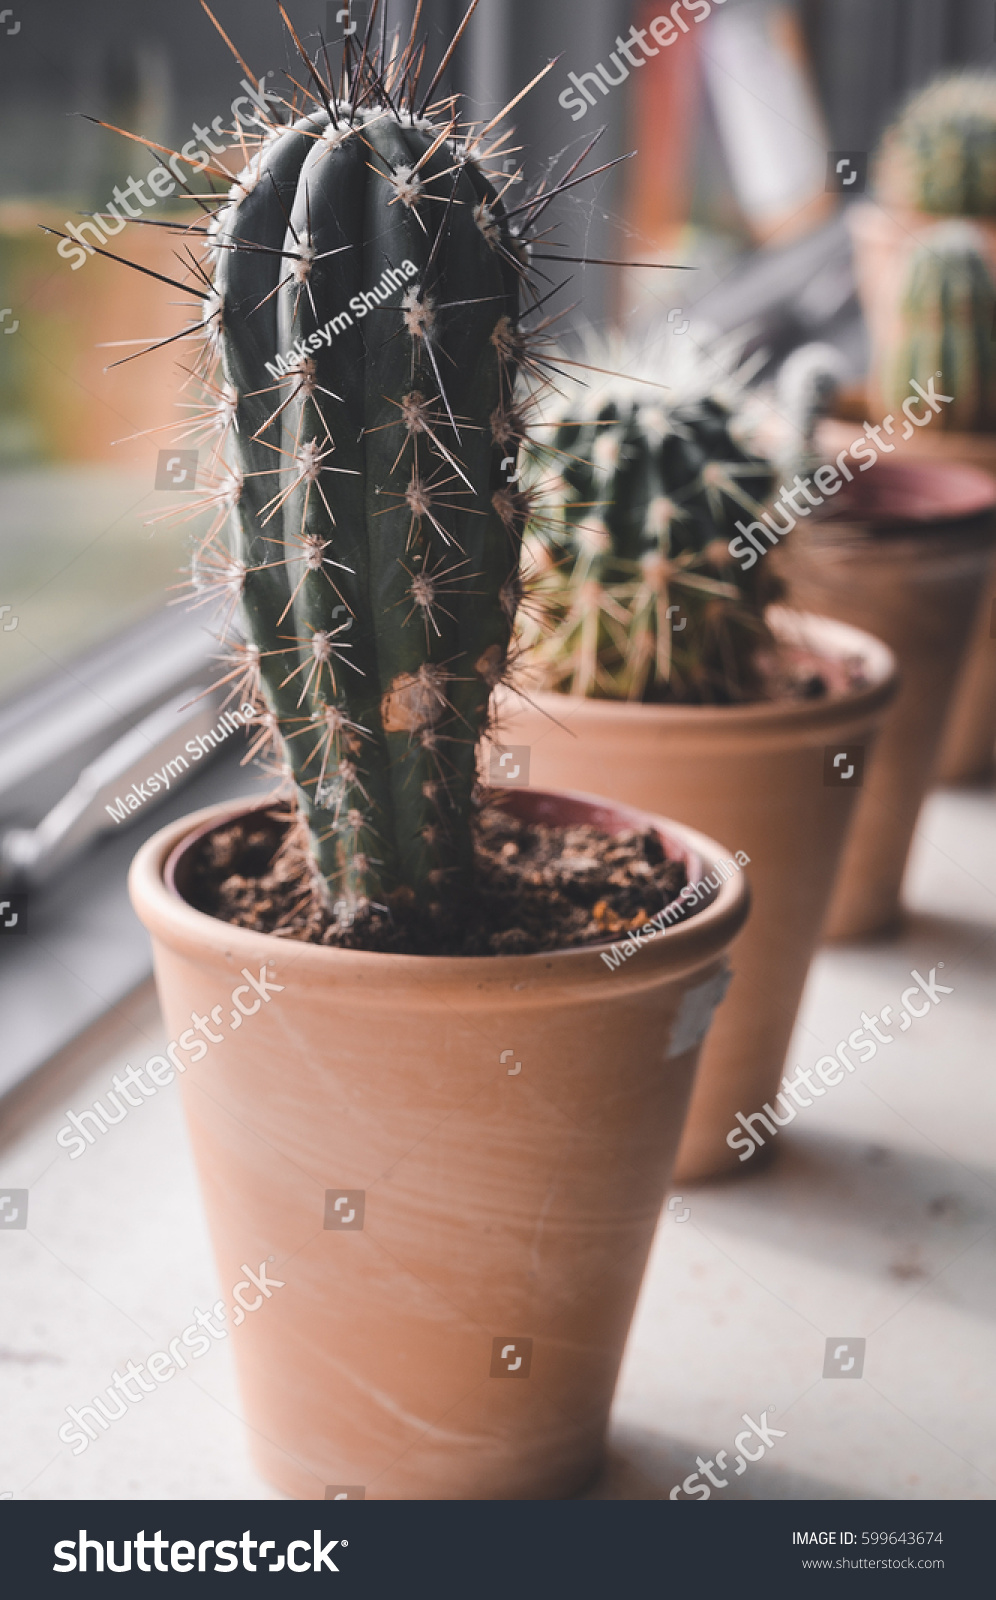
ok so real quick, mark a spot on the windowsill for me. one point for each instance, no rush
(50, 732)
(875, 1221)
(84, 950)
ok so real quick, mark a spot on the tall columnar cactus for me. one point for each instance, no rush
(940, 154)
(642, 599)
(378, 565)
(947, 328)
(361, 297)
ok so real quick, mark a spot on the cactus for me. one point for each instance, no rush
(946, 328)
(375, 559)
(361, 297)
(940, 154)
(642, 598)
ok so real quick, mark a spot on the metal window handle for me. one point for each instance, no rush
(30, 856)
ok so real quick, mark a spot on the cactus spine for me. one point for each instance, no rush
(947, 327)
(644, 601)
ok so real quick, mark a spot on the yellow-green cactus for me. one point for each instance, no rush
(940, 153)
(946, 328)
(640, 598)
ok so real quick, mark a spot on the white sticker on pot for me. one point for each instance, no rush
(695, 1013)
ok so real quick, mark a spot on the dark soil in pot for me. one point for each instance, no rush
(536, 887)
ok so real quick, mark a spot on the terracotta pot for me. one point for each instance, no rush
(753, 775)
(510, 1123)
(904, 553)
(969, 744)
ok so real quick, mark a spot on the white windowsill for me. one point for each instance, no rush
(876, 1221)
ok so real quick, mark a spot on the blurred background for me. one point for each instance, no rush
(725, 179)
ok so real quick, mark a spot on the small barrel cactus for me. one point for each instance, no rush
(940, 154)
(947, 328)
(361, 291)
(630, 560)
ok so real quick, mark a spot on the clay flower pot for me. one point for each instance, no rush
(905, 554)
(969, 744)
(499, 1132)
(754, 776)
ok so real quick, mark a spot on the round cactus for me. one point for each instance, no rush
(643, 600)
(947, 328)
(940, 154)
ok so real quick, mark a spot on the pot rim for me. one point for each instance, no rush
(940, 445)
(970, 498)
(701, 937)
(777, 716)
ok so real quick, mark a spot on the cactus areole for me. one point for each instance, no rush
(373, 542)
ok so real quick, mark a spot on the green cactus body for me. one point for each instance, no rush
(246, 336)
(946, 328)
(645, 602)
(370, 541)
(940, 154)
(956, 166)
